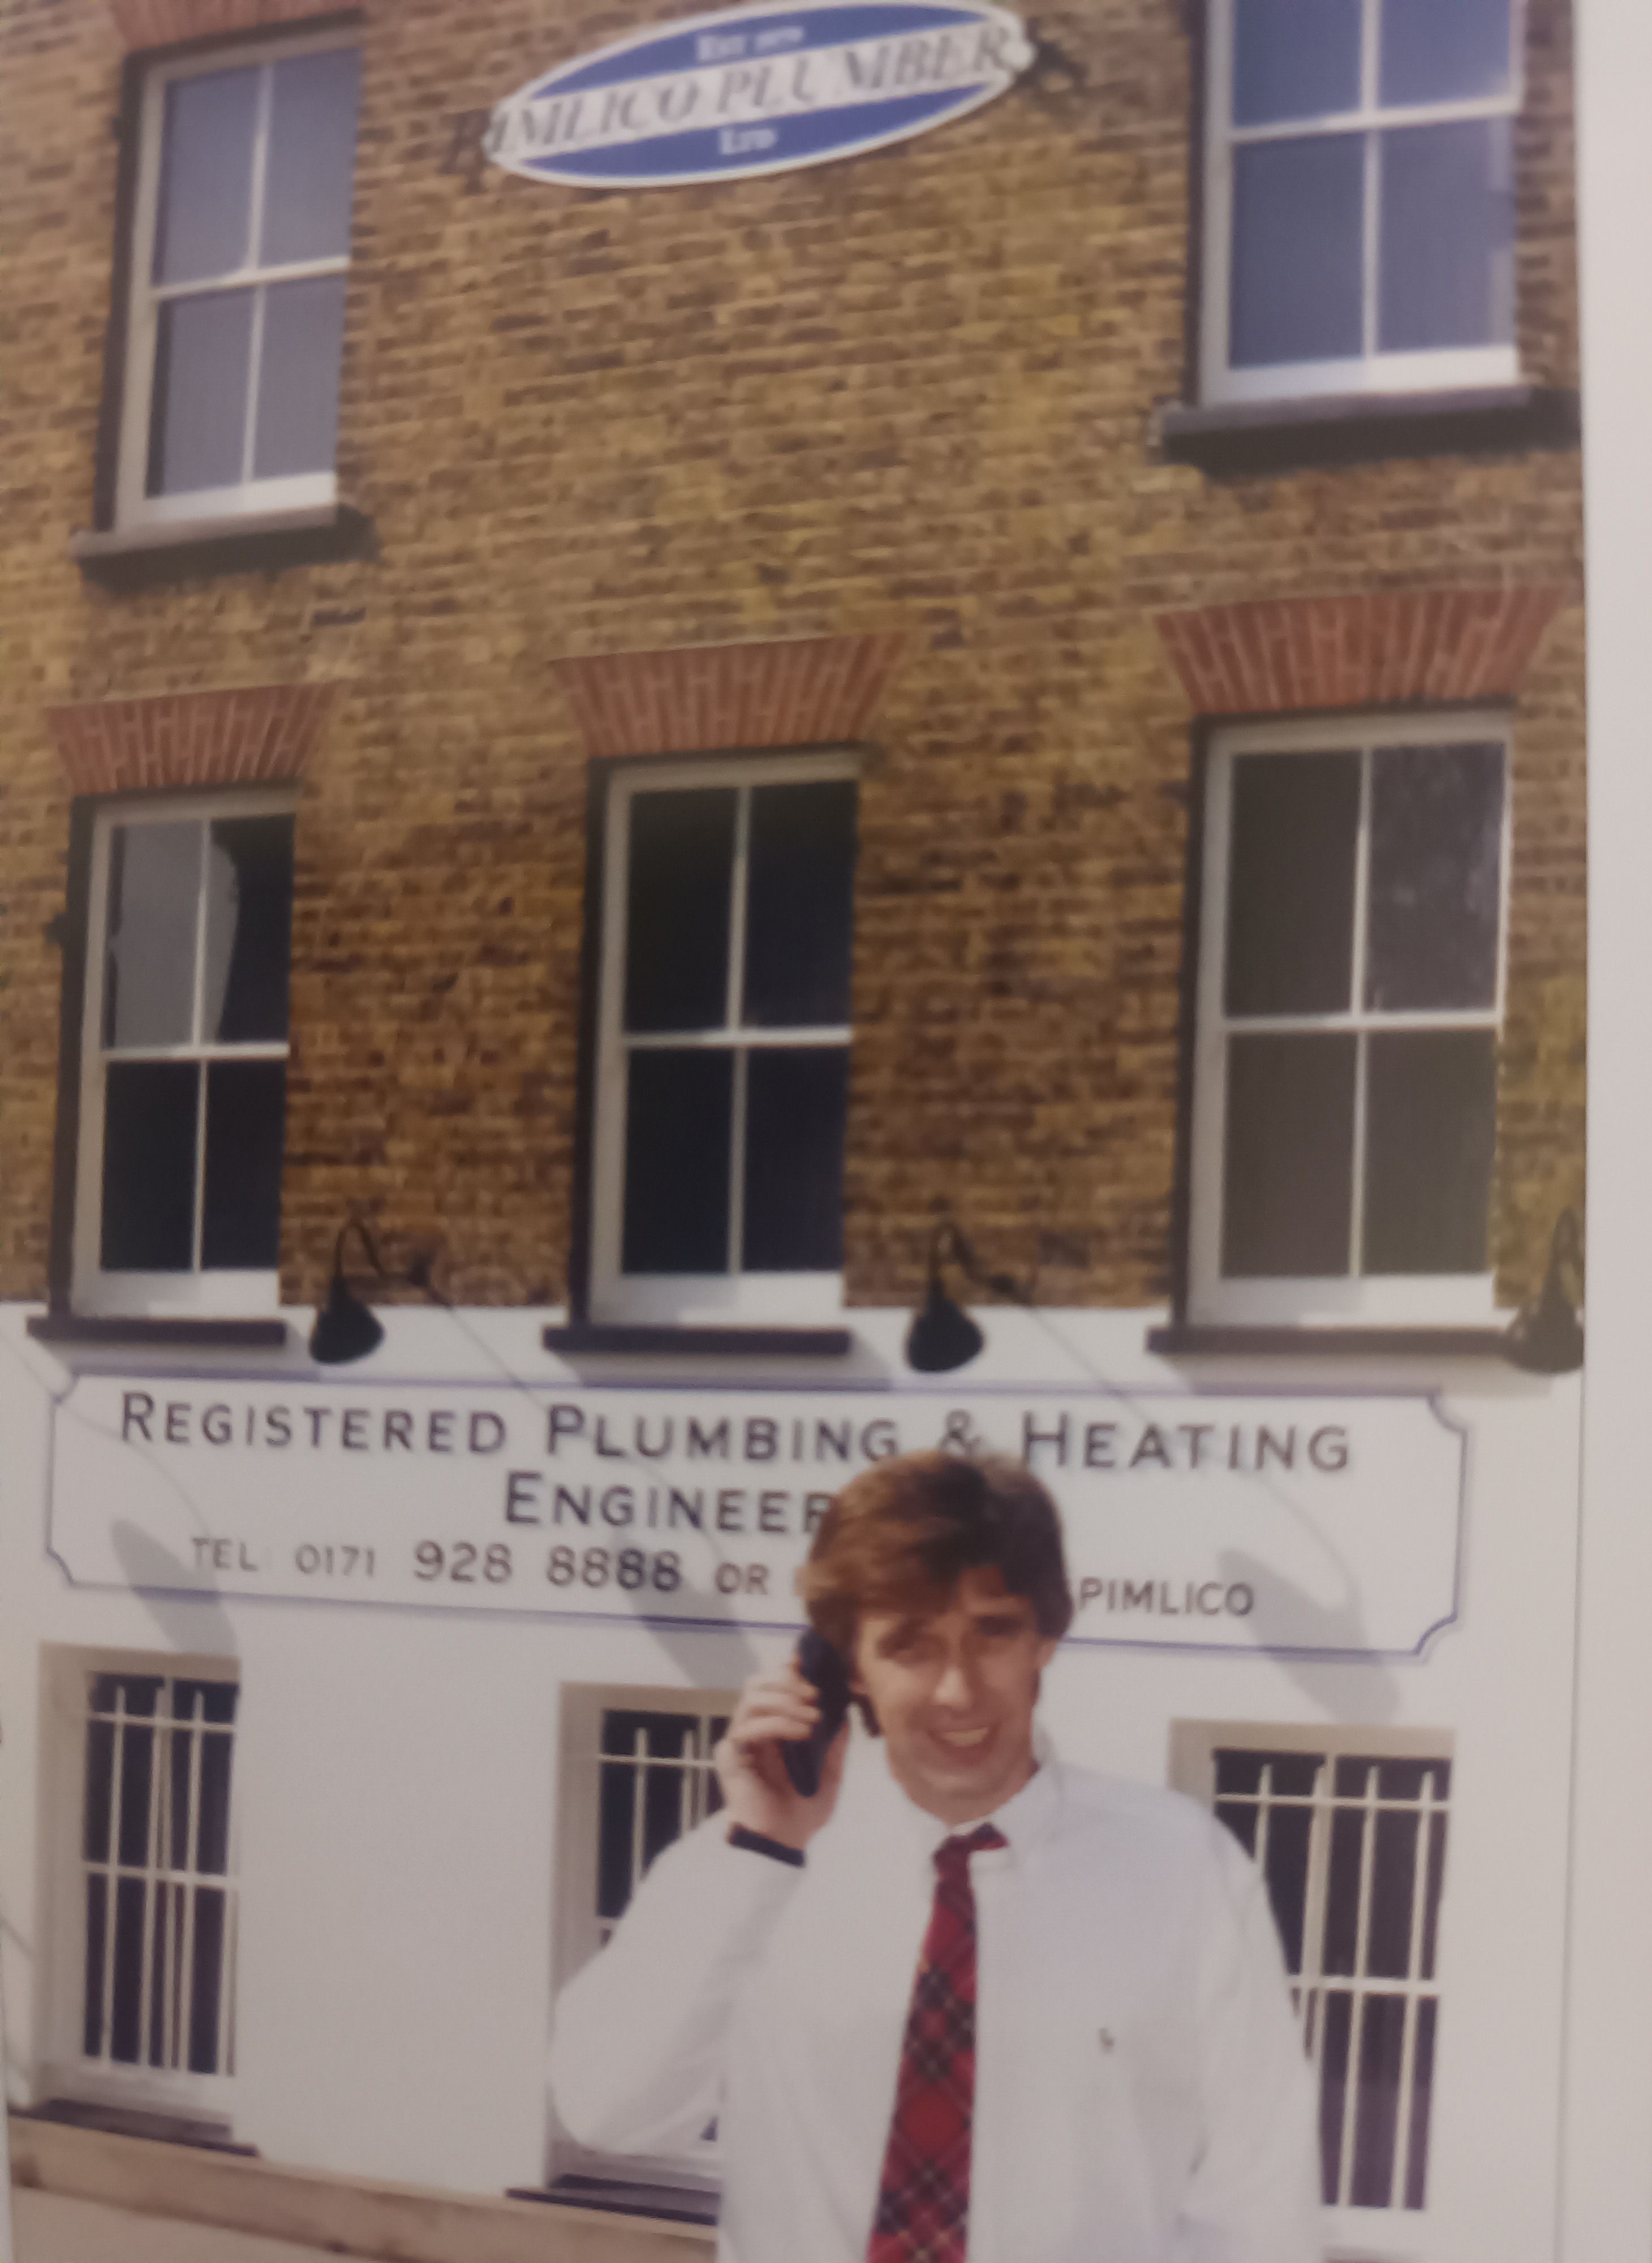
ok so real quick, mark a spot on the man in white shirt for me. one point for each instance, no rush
(966, 2000)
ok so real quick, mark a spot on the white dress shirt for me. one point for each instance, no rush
(1141, 2094)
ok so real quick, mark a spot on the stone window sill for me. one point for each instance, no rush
(1276, 436)
(1194, 1340)
(664, 2203)
(604, 1336)
(185, 1330)
(188, 549)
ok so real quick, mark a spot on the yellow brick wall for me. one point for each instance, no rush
(911, 392)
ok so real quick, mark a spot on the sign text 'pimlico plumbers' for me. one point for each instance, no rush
(757, 91)
(1240, 1523)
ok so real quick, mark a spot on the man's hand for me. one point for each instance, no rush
(775, 1709)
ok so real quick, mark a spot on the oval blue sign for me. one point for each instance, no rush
(757, 89)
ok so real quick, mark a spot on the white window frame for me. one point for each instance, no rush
(1435, 369)
(221, 1292)
(579, 1932)
(1352, 2231)
(249, 496)
(1417, 1299)
(690, 1296)
(65, 2071)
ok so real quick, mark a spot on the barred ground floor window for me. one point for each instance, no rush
(636, 1776)
(143, 1961)
(1348, 1827)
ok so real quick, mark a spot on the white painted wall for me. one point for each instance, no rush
(396, 1782)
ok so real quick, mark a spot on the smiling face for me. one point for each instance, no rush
(954, 1691)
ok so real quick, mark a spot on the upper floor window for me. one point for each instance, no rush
(722, 1071)
(239, 250)
(183, 1056)
(1359, 196)
(1349, 997)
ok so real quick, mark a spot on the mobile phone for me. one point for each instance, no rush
(820, 1664)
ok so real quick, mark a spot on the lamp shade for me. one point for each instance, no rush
(345, 1328)
(942, 1336)
(1547, 1337)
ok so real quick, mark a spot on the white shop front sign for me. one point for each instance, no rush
(1254, 1522)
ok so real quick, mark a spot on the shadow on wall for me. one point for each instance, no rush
(191, 1620)
(1336, 1627)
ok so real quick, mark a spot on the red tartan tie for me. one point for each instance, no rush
(924, 2198)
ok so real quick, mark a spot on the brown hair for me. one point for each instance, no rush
(901, 1534)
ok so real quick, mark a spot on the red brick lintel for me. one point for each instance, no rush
(808, 693)
(1278, 655)
(166, 23)
(245, 737)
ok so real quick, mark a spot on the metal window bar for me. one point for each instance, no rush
(168, 1894)
(1361, 2102)
(695, 1775)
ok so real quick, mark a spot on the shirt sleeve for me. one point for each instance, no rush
(1254, 2195)
(638, 2037)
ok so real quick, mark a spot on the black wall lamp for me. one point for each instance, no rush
(942, 1336)
(1545, 1337)
(345, 1328)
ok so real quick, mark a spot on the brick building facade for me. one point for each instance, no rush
(656, 747)
(920, 397)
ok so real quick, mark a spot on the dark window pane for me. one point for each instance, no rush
(100, 1775)
(148, 1166)
(205, 200)
(208, 1973)
(1393, 1876)
(1422, 2092)
(1295, 58)
(1240, 1816)
(1438, 1828)
(246, 1120)
(1337, 2015)
(204, 1701)
(298, 378)
(163, 1922)
(795, 1106)
(677, 909)
(197, 423)
(211, 1837)
(1447, 274)
(1341, 1952)
(1436, 868)
(131, 1821)
(678, 1112)
(1381, 2041)
(1287, 1178)
(799, 904)
(1298, 219)
(312, 156)
(666, 1796)
(97, 1949)
(1291, 883)
(126, 2010)
(1431, 1118)
(1440, 50)
(1286, 1870)
(149, 961)
(249, 929)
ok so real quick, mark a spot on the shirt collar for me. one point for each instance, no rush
(1023, 1819)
